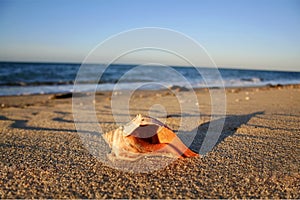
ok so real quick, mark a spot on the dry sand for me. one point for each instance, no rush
(257, 155)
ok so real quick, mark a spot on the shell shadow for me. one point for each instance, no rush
(231, 124)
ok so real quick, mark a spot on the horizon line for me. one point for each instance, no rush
(132, 63)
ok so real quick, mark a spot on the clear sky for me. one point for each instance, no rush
(243, 33)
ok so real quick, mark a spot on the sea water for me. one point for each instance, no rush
(46, 78)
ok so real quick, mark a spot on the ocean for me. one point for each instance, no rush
(47, 78)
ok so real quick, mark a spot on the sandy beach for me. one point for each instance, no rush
(256, 156)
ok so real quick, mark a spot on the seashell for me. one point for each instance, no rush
(145, 136)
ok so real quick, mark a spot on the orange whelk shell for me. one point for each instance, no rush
(145, 136)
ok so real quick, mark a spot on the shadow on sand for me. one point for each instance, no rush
(22, 124)
(231, 124)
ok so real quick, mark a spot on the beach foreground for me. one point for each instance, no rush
(257, 155)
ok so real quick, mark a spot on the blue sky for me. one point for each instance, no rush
(251, 34)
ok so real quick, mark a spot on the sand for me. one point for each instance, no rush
(257, 155)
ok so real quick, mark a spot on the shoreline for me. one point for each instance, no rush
(176, 87)
(256, 156)
(170, 88)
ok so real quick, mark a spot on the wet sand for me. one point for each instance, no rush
(256, 156)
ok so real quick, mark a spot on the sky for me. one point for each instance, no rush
(252, 34)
